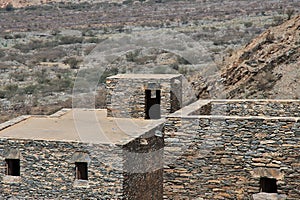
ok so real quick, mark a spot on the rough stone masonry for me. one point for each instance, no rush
(227, 156)
(211, 149)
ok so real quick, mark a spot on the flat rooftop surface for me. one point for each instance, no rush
(145, 76)
(79, 125)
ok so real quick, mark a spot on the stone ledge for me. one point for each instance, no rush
(268, 196)
(12, 179)
(81, 183)
(267, 172)
(13, 121)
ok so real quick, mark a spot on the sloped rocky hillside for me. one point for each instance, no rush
(268, 67)
(24, 3)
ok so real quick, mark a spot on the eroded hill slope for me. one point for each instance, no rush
(268, 67)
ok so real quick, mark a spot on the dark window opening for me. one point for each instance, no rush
(152, 104)
(81, 170)
(268, 185)
(13, 167)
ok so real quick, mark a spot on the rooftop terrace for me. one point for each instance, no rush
(77, 125)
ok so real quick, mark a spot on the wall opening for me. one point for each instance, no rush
(81, 170)
(152, 104)
(13, 167)
(268, 185)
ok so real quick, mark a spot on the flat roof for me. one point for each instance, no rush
(79, 125)
(144, 76)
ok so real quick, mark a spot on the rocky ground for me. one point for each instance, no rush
(267, 67)
(42, 47)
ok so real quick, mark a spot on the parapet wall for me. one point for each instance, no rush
(274, 108)
(224, 157)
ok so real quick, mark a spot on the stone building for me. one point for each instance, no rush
(143, 95)
(142, 148)
(80, 154)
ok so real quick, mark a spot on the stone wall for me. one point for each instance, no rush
(143, 167)
(131, 170)
(126, 97)
(214, 157)
(274, 108)
(48, 171)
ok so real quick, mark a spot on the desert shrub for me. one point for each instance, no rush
(2, 53)
(75, 6)
(290, 13)
(89, 33)
(270, 38)
(31, 7)
(132, 56)
(107, 73)
(143, 60)
(9, 7)
(2, 94)
(8, 37)
(174, 66)
(183, 70)
(49, 55)
(220, 41)
(10, 90)
(248, 24)
(127, 2)
(18, 76)
(72, 62)
(62, 84)
(35, 44)
(18, 36)
(70, 40)
(277, 20)
(93, 40)
(30, 89)
(42, 77)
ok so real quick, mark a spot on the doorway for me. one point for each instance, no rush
(152, 104)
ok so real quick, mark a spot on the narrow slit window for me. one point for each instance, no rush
(268, 185)
(81, 170)
(13, 167)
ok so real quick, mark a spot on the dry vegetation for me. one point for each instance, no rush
(43, 46)
(267, 67)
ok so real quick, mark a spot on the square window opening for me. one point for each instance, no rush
(12, 167)
(81, 170)
(268, 185)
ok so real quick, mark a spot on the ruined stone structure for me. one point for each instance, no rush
(210, 149)
(67, 156)
(233, 149)
(143, 95)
